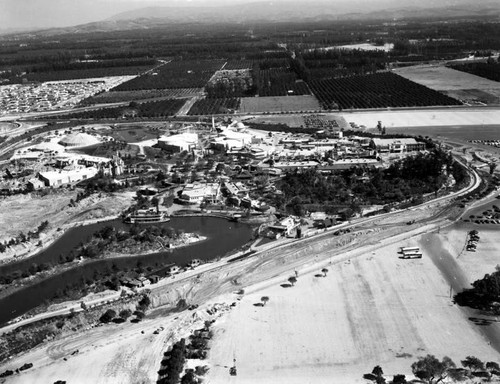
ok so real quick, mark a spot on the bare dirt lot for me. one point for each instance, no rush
(279, 104)
(429, 118)
(457, 84)
(376, 309)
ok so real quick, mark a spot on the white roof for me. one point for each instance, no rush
(406, 141)
(79, 139)
(181, 138)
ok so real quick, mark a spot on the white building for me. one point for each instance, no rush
(59, 178)
(397, 145)
(195, 193)
(179, 143)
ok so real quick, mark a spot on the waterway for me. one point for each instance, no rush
(222, 237)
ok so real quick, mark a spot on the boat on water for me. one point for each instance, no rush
(144, 216)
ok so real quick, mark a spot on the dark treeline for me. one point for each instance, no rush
(489, 70)
(151, 109)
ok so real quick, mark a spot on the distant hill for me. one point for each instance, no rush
(290, 11)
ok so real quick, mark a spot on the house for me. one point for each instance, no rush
(144, 281)
(285, 227)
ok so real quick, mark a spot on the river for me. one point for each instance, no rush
(222, 237)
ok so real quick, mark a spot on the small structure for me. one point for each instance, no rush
(284, 227)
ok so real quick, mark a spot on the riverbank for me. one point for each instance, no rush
(22, 213)
(360, 323)
(183, 240)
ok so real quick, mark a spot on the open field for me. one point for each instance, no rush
(279, 104)
(430, 118)
(457, 84)
(376, 309)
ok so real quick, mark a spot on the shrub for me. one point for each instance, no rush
(109, 315)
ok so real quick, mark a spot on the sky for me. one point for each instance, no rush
(34, 14)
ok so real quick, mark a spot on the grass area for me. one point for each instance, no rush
(458, 84)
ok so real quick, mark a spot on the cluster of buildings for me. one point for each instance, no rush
(256, 153)
(49, 165)
(39, 97)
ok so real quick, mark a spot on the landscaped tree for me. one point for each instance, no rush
(473, 363)
(492, 366)
(325, 271)
(125, 314)
(493, 166)
(109, 315)
(433, 371)
(264, 300)
(377, 371)
(292, 280)
(399, 379)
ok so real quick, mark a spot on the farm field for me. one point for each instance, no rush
(279, 104)
(379, 90)
(88, 73)
(458, 84)
(161, 108)
(280, 82)
(119, 96)
(489, 71)
(175, 74)
(214, 106)
(238, 64)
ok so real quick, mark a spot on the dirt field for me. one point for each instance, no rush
(432, 118)
(457, 84)
(376, 309)
(279, 104)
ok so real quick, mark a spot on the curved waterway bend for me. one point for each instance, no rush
(222, 237)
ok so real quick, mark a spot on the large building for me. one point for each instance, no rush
(79, 139)
(60, 178)
(179, 143)
(397, 145)
(196, 193)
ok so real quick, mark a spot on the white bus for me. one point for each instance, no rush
(411, 255)
(409, 249)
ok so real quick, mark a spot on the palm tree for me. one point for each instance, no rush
(325, 271)
(264, 300)
(292, 280)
